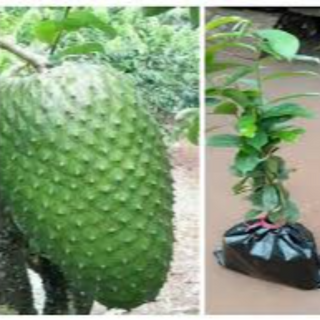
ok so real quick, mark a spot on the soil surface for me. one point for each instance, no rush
(180, 294)
(229, 292)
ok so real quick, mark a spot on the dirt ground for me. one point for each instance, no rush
(228, 292)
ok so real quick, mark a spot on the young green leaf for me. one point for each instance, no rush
(280, 75)
(237, 75)
(252, 214)
(240, 186)
(279, 42)
(291, 212)
(234, 95)
(226, 107)
(273, 164)
(87, 19)
(46, 31)
(270, 198)
(187, 124)
(276, 216)
(295, 96)
(247, 126)
(224, 141)
(245, 163)
(291, 135)
(259, 140)
(219, 22)
(293, 110)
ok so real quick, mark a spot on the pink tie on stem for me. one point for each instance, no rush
(262, 222)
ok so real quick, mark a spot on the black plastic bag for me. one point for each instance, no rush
(285, 254)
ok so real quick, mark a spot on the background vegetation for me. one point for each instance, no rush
(158, 48)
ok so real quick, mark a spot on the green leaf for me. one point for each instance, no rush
(219, 22)
(155, 11)
(276, 216)
(279, 42)
(256, 199)
(193, 131)
(295, 96)
(226, 107)
(195, 16)
(187, 124)
(240, 186)
(291, 135)
(86, 48)
(246, 126)
(245, 163)
(237, 75)
(46, 31)
(252, 214)
(291, 212)
(235, 95)
(287, 109)
(259, 140)
(86, 19)
(280, 75)
(270, 198)
(224, 141)
(271, 124)
(273, 164)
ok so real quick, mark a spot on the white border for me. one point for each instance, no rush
(202, 218)
(184, 3)
(202, 3)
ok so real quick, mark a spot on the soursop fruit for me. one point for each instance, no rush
(85, 174)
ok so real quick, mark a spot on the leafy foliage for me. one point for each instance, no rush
(158, 49)
(261, 125)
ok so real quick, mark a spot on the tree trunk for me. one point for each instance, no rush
(15, 293)
(60, 298)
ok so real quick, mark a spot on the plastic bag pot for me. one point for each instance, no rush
(287, 254)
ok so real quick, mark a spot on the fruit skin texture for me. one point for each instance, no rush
(86, 176)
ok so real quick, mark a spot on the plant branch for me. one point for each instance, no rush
(259, 80)
(59, 35)
(38, 62)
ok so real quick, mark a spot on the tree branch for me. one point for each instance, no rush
(38, 62)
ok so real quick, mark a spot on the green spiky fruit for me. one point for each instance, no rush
(85, 174)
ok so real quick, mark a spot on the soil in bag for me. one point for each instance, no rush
(286, 254)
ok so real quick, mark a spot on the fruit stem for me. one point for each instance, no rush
(38, 62)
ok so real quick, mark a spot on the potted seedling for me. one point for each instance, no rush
(270, 243)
